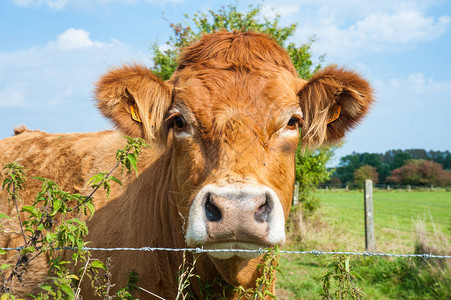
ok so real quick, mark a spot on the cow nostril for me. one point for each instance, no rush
(212, 212)
(263, 211)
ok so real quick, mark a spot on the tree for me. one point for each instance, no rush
(400, 159)
(365, 172)
(229, 18)
(350, 163)
(387, 162)
(311, 165)
(421, 173)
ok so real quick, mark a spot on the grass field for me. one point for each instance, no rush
(399, 217)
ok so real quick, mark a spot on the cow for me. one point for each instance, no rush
(220, 171)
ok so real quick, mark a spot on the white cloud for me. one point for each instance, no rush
(53, 4)
(51, 75)
(60, 4)
(12, 95)
(416, 84)
(379, 32)
(398, 27)
(351, 28)
(271, 11)
(73, 39)
(50, 88)
(410, 112)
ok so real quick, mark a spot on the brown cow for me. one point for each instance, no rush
(220, 172)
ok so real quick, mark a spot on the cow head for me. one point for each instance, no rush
(231, 117)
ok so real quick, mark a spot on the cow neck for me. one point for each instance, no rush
(152, 203)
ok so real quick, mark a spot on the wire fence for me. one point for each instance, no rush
(289, 252)
(352, 186)
(256, 251)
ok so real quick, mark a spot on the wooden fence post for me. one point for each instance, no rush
(296, 194)
(370, 244)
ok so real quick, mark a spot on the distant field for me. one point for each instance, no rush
(394, 216)
(339, 226)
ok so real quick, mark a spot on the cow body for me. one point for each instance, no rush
(220, 171)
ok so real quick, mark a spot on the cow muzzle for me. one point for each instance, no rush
(235, 217)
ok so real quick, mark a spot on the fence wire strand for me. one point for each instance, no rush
(259, 251)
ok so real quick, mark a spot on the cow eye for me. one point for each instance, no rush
(179, 122)
(293, 123)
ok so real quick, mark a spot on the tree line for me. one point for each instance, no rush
(416, 167)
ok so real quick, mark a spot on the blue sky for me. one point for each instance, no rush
(53, 51)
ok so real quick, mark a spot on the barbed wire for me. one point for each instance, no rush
(260, 251)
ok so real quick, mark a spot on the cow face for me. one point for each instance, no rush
(234, 140)
(230, 118)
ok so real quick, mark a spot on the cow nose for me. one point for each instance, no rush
(262, 213)
(235, 216)
(259, 206)
(239, 216)
(212, 212)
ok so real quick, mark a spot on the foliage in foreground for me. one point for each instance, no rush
(378, 277)
(341, 282)
(51, 224)
(412, 278)
(311, 170)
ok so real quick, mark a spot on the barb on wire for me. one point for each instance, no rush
(260, 251)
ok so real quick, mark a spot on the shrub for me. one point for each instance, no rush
(421, 173)
(365, 172)
(311, 170)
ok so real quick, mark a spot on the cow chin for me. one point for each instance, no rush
(238, 271)
(218, 250)
(248, 217)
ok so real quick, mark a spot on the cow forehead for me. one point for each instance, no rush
(213, 93)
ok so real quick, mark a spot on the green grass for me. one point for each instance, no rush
(339, 226)
(394, 216)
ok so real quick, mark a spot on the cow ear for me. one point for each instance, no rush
(135, 100)
(333, 101)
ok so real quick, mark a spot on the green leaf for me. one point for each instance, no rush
(97, 179)
(2, 252)
(71, 239)
(77, 221)
(65, 288)
(29, 249)
(46, 287)
(56, 206)
(50, 236)
(91, 208)
(72, 276)
(5, 266)
(347, 264)
(116, 180)
(31, 210)
(7, 297)
(98, 264)
(3, 216)
(131, 158)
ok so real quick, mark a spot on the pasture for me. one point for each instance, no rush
(401, 218)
